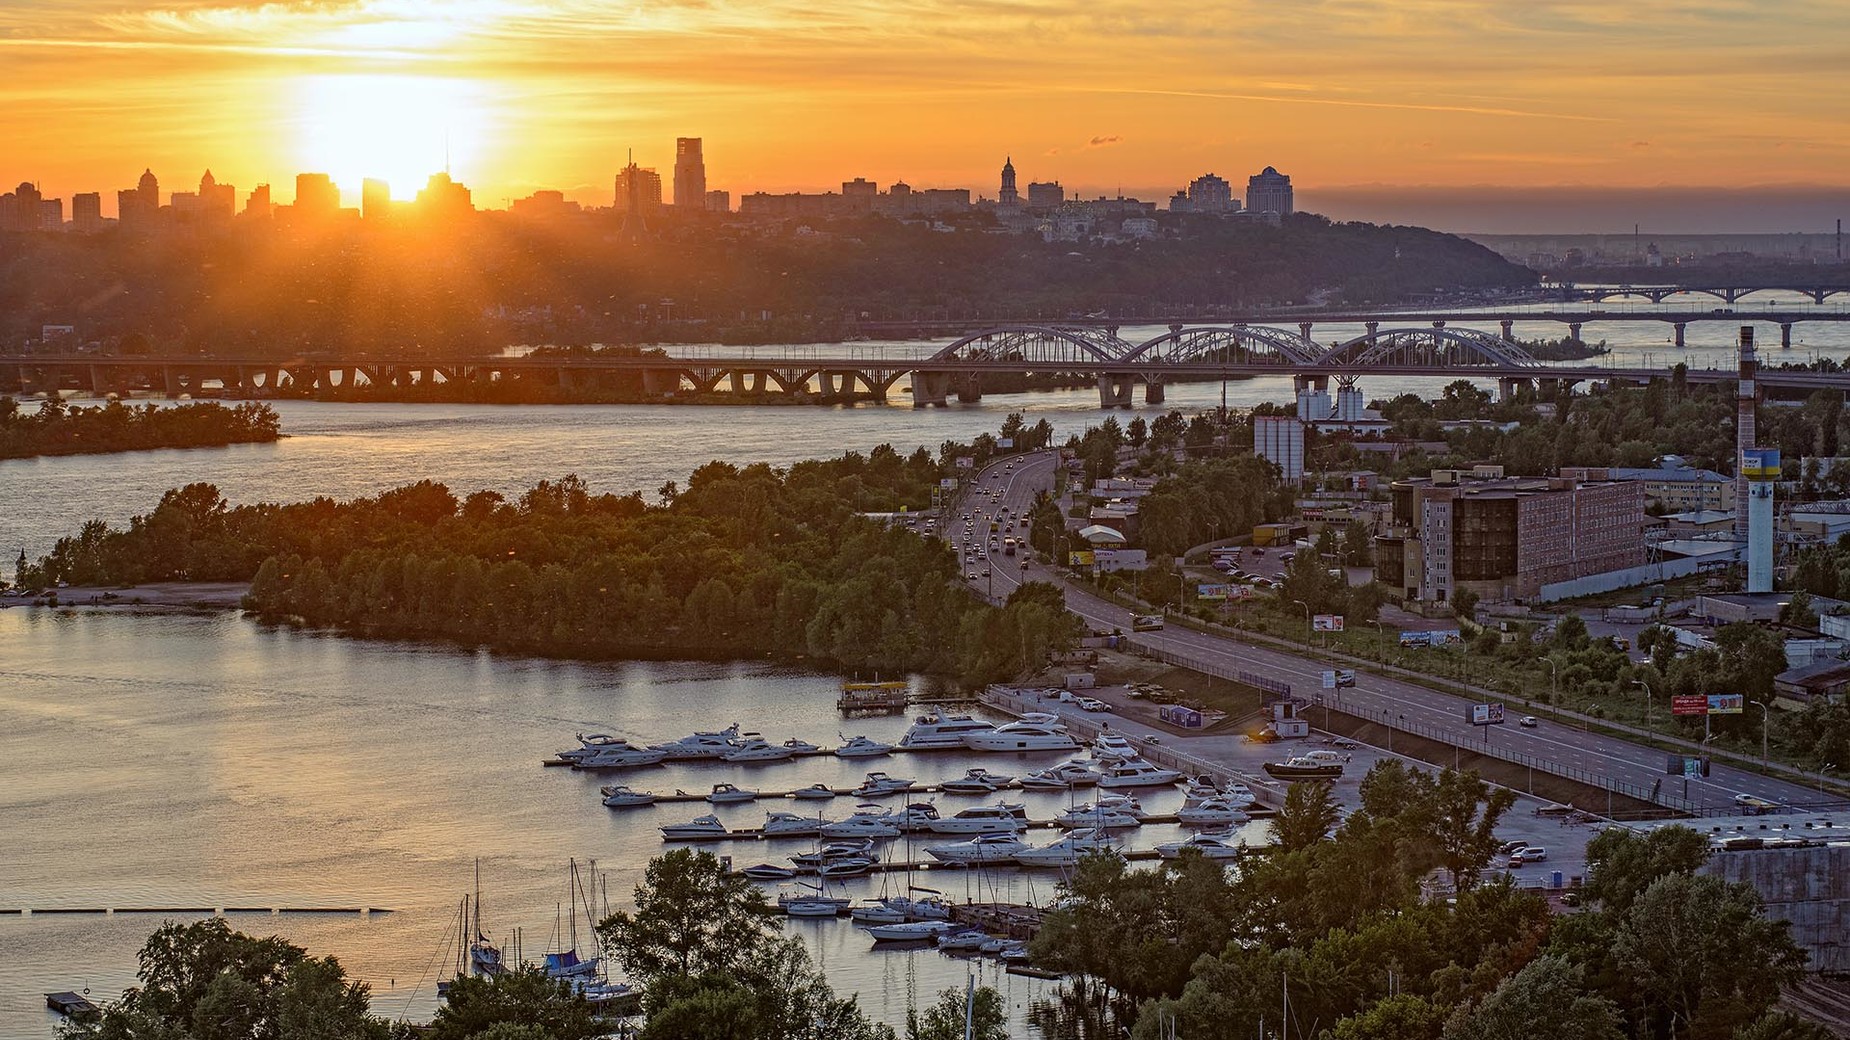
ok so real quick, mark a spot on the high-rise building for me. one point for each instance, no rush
(1045, 195)
(444, 199)
(316, 197)
(258, 204)
(1280, 439)
(690, 174)
(217, 202)
(138, 207)
(639, 190)
(1268, 194)
(1211, 194)
(87, 212)
(375, 199)
(719, 201)
(1008, 198)
(20, 209)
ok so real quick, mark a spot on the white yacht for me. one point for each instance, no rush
(834, 850)
(878, 784)
(863, 824)
(1208, 845)
(984, 848)
(1067, 851)
(817, 791)
(799, 746)
(982, 819)
(769, 872)
(937, 732)
(790, 825)
(1138, 773)
(703, 828)
(1212, 812)
(1022, 736)
(621, 755)
(725, 794)
(862, 747)
(1104, 816)
(1061, 777)
(756, 751)
(919, 816)
(700, 745)
(1113, 747)
(591, 745)
(618, 796)
(977, 781)
(1239, 794)
(912, 931)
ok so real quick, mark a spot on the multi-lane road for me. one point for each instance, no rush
(1012, 487)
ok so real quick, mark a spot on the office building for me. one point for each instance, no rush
(1045, 196)
(87, 212)
(316, 197)
(20, 209)
(1280, 439)
(375, 199)
(719, 201)
(544, 206)
(216, 202)
(140, 206)
(1210, 194)
(638, 190)
(443, 198)
(1671, 488)
(1505, 538)
(690, 174)
(1268, 194)
(257, 205)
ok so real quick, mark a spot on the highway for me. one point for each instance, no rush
(1596, 753)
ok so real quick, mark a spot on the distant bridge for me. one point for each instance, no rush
(1067, 353)
(1725, 293)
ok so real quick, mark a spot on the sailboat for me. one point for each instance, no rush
(566, 963)
(484, 956)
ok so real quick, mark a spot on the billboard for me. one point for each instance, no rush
(1486, 714)
(1338, 678)
(1695, 705)
(948, 483)
(1212, 591)
(966, 462)
(1441, 637)
(1080, 558)
(1760, 463)
(1005, 442)
(1727, 703)
(1327, 623)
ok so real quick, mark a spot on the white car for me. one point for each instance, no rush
(1530, 854)
(1092, 704)
(1529, 722)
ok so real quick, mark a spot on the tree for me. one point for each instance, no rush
(1548, 990)
(691, 918)
(1137, 432)
(1570, 633)
(945, 1020)
(1621, 864)
(1751, 656)
(1399, 1017)
(524, 996)
(1782, 1025)
(1308, 816)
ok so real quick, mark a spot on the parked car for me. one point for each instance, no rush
(1528, 854)
(1093, 704)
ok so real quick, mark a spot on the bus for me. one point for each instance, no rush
(1146, 623)
(1008, 546)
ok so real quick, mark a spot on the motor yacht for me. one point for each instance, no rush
(914, 818)
(984, 848)
(726, 794)
(1211, 813)
(768, 872)
(1067, 851)
(833, 851)
(863, 824)
(878, 784)
(591, 745)
(617, 796)
(862, 747)
(816, 791)
(1061, 777)
(1303, 767)
(911, 931)
(790, 825)
(937, 732)
(700, 745)
(1138, 773)
(621, 756)
(877, 911)
(966, 941)
(977, 781)
(856, 866)
(1239, 794)
(799, 746)
(757, 751)
(1104, 815)
(1022, 736)
(981, 819)
(1207, 845)
(703, 828)
(1113, 747)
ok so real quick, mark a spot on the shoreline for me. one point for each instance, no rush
(168, 596)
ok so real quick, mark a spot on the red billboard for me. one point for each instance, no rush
(1689, 705)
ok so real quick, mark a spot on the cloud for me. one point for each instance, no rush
(1103, 142)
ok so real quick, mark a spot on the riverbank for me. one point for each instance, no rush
(166, 595)
(114, 427)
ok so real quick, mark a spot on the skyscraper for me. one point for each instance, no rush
(1009, 198)
(258, 204)
(138, 207)
(216, 201)
(1268, 194)
(690, 174)
(375, 199)
(87, 212)
(316, 197)
(638, 196)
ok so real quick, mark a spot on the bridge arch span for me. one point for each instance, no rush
(1041, 344)
(1437, 348)
(1234, 344)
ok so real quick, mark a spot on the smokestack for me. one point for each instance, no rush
(1743, 429)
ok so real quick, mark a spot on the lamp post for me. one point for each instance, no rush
(1766, 720)
(1306, 607)
(1647, 700)
(1380, 641)
(1554, 686)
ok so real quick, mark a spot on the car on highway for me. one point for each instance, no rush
(1528, 722)
(971, 576)
(1092, 704)
(1753, 806)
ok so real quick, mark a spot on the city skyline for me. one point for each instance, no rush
(519, 95)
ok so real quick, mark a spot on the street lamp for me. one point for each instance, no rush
(1647, 700)
(1306, 607)
(1766, 720)
(1554, 686)
(1380, 642)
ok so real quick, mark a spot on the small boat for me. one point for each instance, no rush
(790, 825)
(982, 819)
(768, 872)
(1022, 736)
(816, 791)
(1300, 768)
(601, 994)
(1113, 748)
(966, 941)
(1206, 845)
(757, 751)
(617, 796)
(1211, 813)
(937, 732)
(833, 851)
(725, 794)
(911, 931)
(74, 1006)
(878, 911)
(862, 747)
(799, 746)
(858, 866)
(863, 824)
(811, 895)
(914, 818)
(1138, 773)
(878, 784)
(977, 781)
(704, 828)
(811, 908)
(984, 848)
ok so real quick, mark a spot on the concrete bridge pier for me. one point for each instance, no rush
(1509, 330)
(1681, 326)
(1509, 388)
(1153, 392)
(1573, 332)
(1114, 390)
(1320, 383)
(660, 381)
(1372, 327)
(930, 388)
(170, 381)
(969, 389)
(1304, 329)
(1785, 334)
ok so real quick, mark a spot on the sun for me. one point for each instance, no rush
(397, 128)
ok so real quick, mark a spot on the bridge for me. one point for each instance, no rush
(1725, 293)
(961, 369)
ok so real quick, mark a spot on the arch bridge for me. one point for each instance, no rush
(1724, 293)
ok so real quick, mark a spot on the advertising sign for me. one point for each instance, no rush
(1411, 640)
(1211, 592)
(1760, 463)
(966, 462)
(1080, 558)
(1726, 703)
(1487, 714)
(948, 482)
(1327, 623)
(1338, 679)
(1005, 442)
(1697, 705)
(1442, 637)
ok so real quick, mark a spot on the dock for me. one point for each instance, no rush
(72, 1005)
(210, 911)
(757, 833)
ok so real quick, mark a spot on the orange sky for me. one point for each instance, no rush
(802, 94)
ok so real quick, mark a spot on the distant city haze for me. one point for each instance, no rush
(518, 95)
